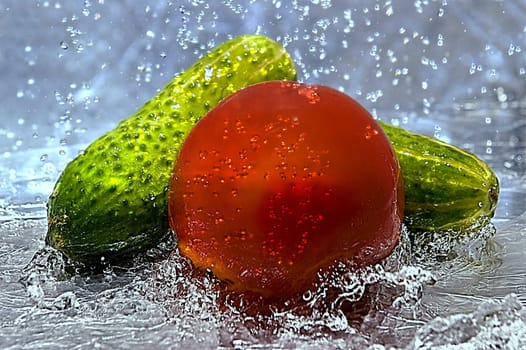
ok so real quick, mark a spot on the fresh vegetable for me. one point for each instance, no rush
(111, 201)
(446, 188)
(282, 179)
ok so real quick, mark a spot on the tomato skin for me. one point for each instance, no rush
(282, 179)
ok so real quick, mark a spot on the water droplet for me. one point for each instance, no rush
(307, 296)
(370, 132)
(440, 40)
(310, 93)
(501, 94)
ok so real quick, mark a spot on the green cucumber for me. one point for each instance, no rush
(111, 201)
(446, 188)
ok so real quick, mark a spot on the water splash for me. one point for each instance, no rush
(441, 57)
(162, 295)
(494, 325)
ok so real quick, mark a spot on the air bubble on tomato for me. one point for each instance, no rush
(283, 179)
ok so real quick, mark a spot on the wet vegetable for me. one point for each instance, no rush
(111, 201)
(446, 188)
(282, 179)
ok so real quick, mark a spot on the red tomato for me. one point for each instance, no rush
(282, 179)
